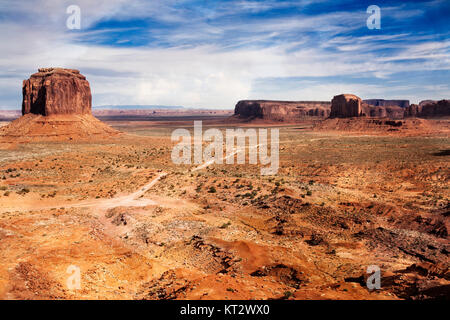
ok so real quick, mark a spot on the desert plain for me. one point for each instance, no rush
(139, 226)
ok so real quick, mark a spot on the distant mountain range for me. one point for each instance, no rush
(137, 107)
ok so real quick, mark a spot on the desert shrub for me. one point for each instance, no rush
(308, 193)
(23, 191)
(212, 189)
(225, 225)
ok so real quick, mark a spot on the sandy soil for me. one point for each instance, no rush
(140, 227)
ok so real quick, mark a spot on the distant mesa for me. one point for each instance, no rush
(350, 113)
(284, 111)
(56, 105)
(429, 109)
(341, 106)
(387, 103)
(137, 107)
(350, 105)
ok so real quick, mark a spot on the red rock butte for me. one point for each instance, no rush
(346, 106)
(56, 106)
(53, 91)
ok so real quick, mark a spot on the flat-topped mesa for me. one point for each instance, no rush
(285, 111)
(53, 91)
(346, 106)
(387, 103)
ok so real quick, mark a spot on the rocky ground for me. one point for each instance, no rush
(140, 227)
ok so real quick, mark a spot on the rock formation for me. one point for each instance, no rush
(346, 106)
(286, 111)
(392, 112)
(387, 103)
(56, 91)
(435, 109)
(349, 106)
(429, 109)
(412, 111)
(56, 106)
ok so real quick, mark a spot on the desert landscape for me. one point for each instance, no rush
(360, 183)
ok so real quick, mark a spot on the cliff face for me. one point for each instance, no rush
(287, 111)
(392, 112)
(387, 103)
(53, 91)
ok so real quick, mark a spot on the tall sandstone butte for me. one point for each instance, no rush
(346, 106)
(53, 91)
(56, 106)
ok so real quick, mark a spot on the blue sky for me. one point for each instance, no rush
(210, 54)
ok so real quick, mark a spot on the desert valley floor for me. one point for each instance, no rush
(140, 227)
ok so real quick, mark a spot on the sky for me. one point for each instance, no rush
(210, 54)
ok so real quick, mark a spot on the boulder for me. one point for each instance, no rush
(53, 91)
(346, 106)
